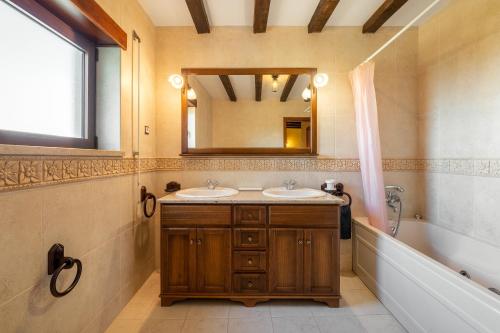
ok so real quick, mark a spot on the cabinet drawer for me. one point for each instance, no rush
(177, 215)
(305, 215)
(250, 215)
(249, 283)
(249, 238)
(249, 261)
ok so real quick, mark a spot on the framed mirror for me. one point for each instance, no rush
(249, 111)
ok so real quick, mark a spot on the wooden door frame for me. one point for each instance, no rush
(186, 151)
(286, 119)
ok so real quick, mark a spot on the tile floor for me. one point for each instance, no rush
(360, 311)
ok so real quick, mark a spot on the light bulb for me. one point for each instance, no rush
(320, 80)
(307, 94)
(191, 94)
(275, 83)
(176, 80)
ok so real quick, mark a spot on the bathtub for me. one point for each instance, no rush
(416, 276)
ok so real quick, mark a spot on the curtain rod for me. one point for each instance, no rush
(396, 36)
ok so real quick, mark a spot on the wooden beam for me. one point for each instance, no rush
(260, 15)
(258, 87)
(288, 87)
(383, 13)
(228, 86)
(321, 15)
(199, 15)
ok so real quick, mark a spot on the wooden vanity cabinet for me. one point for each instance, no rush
(250, 253)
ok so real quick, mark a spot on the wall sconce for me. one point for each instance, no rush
(275, 83)
(176, 80)
(191, 94)
(320, 80)
(307, 94)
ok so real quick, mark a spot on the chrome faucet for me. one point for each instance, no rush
(290, 184)
(211, 184)
(394, 201)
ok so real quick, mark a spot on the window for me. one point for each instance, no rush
(47, 80)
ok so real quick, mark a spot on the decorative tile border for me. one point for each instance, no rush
(30, 171)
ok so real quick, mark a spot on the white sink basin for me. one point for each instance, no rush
(205, 192)
(299, 193)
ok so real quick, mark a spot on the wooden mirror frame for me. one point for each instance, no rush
(311, 151)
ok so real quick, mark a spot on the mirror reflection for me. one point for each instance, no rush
(249, 111)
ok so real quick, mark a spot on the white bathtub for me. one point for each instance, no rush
(416, 276)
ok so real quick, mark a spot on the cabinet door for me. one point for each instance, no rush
(178, 260)
(321, 261)
(286, 254)
(214, 260)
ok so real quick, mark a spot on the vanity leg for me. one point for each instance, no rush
(250, 302)
(331, 302)
(168, 301)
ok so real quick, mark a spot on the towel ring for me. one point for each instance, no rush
(57, 263)
(145, 197)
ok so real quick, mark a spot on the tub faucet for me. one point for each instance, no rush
(290, 184)
(211, 184)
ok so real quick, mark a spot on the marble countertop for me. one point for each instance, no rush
(252, 197)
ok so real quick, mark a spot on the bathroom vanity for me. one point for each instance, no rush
(250, 248)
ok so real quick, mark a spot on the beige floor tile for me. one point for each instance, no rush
(238, 310)
(207, 325)
(127, 326)
(295, 325)
(349, 281)
(135, 310)
(293, 308)
(156, 325)
(340, 324)
(208, 309)
(250, 325)
(381, 324)
(363, 302)
(176, 311)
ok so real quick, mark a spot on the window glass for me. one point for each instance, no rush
(42, 79)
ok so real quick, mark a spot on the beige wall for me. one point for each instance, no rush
(459, 117)
(95, 220)
(248, 123)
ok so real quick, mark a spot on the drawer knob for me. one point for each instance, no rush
(301, 242)
(250, 261)
(250, 284)
(250, 239)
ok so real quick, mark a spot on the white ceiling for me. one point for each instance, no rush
(281, 13)
(244, 86)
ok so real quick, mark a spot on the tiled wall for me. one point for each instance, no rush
(459, 118)
(85, 209)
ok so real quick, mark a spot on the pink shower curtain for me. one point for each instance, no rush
(370, 157)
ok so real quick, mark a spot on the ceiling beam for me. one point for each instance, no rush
(260, 15)
(199, 15)
(258, 87)
(288, 87)
(321, 15)
(383, 13)
(228, 86)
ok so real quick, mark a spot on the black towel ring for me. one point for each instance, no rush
(339, 192)
(57, 263)
(145, 197)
